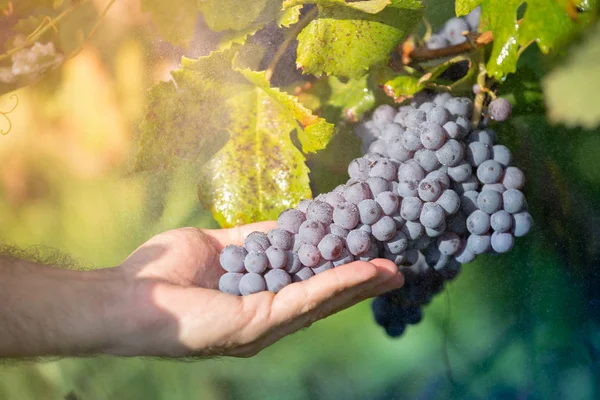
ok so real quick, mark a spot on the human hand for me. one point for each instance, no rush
(178, 310)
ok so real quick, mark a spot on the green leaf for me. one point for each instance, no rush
(354, 97)
(369, 6)
(175, 22)
(260, 172)
(221, 15)
(463, 7)
(289, 16)
(403, 87)
(315, 133)
(345, 41)
(570, 88)
(545, 22)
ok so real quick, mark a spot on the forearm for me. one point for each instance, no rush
(50, 311)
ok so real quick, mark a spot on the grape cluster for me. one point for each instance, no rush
(31, 62)
(430, 193)
(477, 188)
(452, 33)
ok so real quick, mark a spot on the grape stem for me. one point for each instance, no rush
(410, 54)
(288, 40)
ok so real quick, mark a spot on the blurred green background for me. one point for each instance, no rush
(520, 326)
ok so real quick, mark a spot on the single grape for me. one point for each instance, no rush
(427, 159)
(479, 244)
(309, 255)
(436, 42)
(500, 109)
(410, 170)
(252, 283)
(408, 188)
(501, 221)
(461, 172)
(484, 136)
(477, 153)
(303, 274)
(452, 130)
(489, 171)
(322, 266)
(459, 106)
(429, 190)
(472, 18)
(346, 215)
(278, 258)
(397, 244)
(378, 185)
(489, 201)
(413, 230)
(502, 242)
(230, 283)
(311, 232)
(344, 258)
(451, 153)
(277, 279)
(414, 118)
(411, 140)
(232, 258)
(432, 215)
(440, 99)
(449, 201)
(384, 229)
(378, 147)
(522, 224)
(280, 238)
(498, 187)
(388, 202)
(465, 126)
(437, 115)
(383, 115)
(448, 243)
(432, 136)
(369, 211)
(513, 178)
(514, 200)
(392, 131)
(411, 208)
(478, 222)
(256, 261)
(464, 255)
(358, 241)
(290, 220)
(334, 199)
(358, 168)
(357, 192)
(293, 264)
(320, 211)
(257, 241)
(331, 246)
(364, 227)
(440, 177)
(397, 151)
(303, 205)
(337, 230)
(453, 30)
(476, 88)
(502, 155)
(383, 168)
(427, 106)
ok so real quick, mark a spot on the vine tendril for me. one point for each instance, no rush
(5, 114)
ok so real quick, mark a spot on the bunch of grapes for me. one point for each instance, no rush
(452, 33)
(430, 193)
(31, 62)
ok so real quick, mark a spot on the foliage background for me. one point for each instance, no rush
(524, 325)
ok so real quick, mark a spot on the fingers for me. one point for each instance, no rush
(332, 288)
(224, 237)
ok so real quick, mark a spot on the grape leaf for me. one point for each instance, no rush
(403, 87)
(500, 17)
(259, 173)
(346, 41)
(175, 22)
(221, 15)
(354, 97)
(568, 89)
(289, 16)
